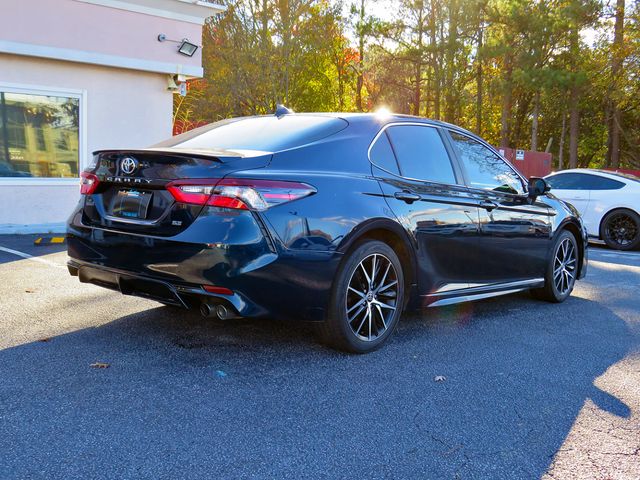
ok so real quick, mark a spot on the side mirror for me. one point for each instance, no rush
(538, 186)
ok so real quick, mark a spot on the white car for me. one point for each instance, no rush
(608, 202)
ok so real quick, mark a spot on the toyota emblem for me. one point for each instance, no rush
(128, 165)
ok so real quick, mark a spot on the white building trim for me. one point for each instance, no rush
(83, 161)
(192, 11)
(94, 58)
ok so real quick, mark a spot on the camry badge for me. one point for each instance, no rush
(128, 165)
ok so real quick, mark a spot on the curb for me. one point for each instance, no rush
(44, 241)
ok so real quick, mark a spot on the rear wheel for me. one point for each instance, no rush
(621, 230)
(367, 299)
(562, 270)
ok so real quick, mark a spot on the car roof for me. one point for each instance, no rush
(371, 123)
(380, 119)
(593, 171)
(384, 118)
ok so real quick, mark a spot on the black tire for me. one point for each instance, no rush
(620, 229)
(554, 289)
(377, 326)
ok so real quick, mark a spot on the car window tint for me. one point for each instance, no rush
(626, 176)
(582, 181)
(421, 153)
(382, 155)
(484, 168)
(602, 183)
(265, 133)
(566, 181)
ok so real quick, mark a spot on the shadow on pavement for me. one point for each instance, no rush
(25, 244)
(187, 398)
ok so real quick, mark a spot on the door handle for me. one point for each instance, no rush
(488, 205)
(408, 197)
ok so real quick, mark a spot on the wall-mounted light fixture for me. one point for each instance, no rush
(185, 48)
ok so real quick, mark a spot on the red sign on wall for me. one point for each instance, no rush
(528, 163)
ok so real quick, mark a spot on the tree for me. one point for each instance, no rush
(523, 73)
(617, 59)
(364, 27)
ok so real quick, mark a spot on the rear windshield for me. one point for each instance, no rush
(268, 133)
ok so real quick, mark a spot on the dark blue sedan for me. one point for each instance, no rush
(340, 219)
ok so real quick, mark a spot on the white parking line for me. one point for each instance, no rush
(31, 257)
(615, 254)
(615, 267)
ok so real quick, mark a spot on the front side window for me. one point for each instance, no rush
(485, 169)
(567, 181)
(421, 153)
(39, 135)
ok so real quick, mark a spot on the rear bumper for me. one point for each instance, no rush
(169, 293)
(266, 279)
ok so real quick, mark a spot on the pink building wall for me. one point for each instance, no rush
(106, 53)
(72, 24)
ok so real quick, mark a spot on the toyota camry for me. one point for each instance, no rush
(344, 220)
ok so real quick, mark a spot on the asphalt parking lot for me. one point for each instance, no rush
(530, 389)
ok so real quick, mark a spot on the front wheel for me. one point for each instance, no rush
(562, 270)
(367, 299)
(621, 230)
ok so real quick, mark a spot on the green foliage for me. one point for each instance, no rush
(498, 67)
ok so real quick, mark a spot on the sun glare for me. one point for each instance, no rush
(383, 112)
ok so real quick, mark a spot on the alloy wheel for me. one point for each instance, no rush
(372, 295)
(565, 266)
(621, 230)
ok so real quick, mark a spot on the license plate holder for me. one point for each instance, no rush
(132, 204)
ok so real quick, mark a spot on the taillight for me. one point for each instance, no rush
(238, 193)
(189, 191)
(88, 183)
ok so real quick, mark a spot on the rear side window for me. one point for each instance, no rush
(602, 183)
(582, 181)
(382, 155)
(421, 154)
(627, 176)
(485, 169)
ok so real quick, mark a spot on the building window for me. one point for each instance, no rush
(39, 135)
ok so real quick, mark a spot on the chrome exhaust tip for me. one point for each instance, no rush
(223, 312)
(207, 310)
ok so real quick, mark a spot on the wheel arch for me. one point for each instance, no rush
(574, 228)
(394, 235)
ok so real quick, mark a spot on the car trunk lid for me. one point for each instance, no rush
(131, 186)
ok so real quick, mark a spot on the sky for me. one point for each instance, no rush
(387, 10)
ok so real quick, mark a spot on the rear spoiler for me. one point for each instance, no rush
(218, 153)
